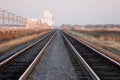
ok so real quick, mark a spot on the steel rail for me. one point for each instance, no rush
(105, 56)
(6, 61)
(33, 64)
(87, 67)
(103, 66)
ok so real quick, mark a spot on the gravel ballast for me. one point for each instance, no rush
(55, 63)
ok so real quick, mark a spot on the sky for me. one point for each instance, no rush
(75, 12)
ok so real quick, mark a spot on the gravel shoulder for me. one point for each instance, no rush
(55, 63)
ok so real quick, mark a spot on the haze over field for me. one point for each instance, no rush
(67, 11)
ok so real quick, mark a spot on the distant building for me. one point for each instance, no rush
(33, 23)
(47, 19)
(45, 22)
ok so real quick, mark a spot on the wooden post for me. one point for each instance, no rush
(8, 22)
(0, 16)
(17, 23)
(12, 19)
(3, 17)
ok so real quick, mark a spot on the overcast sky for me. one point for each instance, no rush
(67, 11)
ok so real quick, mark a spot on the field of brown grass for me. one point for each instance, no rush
(16, 34)
(107, 39)
(12, 43)
(108, 35)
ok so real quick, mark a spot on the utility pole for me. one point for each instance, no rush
(13, 19)
(17, 22)
(3, 16)
(0, 16)
(13, 22)
(20, 22)
(25, 22)
(9, 15)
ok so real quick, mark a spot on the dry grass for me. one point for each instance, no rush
(107, 40)
(4, 36)
(8, 36)
(109, 35)
(6, 46)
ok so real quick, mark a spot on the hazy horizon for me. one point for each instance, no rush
(77, 12)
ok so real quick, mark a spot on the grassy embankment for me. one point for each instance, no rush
(13, 42)
(107, 39)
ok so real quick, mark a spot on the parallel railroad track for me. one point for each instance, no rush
(89, 64)
(79, 69)
(19, 65)
(4, 56)
(99, 66)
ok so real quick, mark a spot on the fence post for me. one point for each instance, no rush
(9, 22)
(13, 21)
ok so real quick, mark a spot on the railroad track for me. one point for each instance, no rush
(97, 65)
(79, 69)
(19, 65)
(22, 48)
